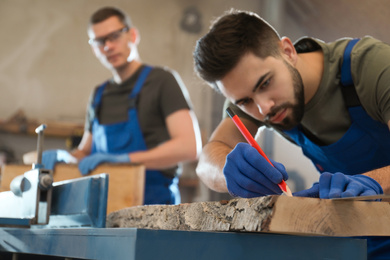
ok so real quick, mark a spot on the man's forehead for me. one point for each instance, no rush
(105, 27)
(225, 92)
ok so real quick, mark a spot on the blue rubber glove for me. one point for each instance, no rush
(248, 174)
(90, 162)
(339, 185)
(313, 192)
(51, 157)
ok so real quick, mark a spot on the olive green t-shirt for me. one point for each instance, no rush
(162, 94)
(326, 116)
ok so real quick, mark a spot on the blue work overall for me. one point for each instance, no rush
(364, 147)
(127, 137)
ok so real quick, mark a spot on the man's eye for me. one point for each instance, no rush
(100, 41)
(114, 36)
(265, 84)
(245, 102)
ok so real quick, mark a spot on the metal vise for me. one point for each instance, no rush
(34, 198)
(29, 201)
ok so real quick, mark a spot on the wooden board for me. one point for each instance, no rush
(273, 214)
(125, 187)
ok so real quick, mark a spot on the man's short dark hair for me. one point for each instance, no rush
(231, 36)
(107, 12)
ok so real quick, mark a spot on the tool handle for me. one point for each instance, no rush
(39, 130)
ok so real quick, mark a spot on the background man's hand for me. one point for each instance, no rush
(51, 157)
(90, 162)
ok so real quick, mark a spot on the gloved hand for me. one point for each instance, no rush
(92, 161)
(313, 192)
(248, 174)
(51, 157)
(339, 185)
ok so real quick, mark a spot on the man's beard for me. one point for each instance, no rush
(297, 109)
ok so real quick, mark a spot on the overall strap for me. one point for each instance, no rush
(140, 81)
(138, 85)
(349, 92)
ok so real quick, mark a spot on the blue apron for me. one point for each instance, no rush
(364, 147)
(126, 137)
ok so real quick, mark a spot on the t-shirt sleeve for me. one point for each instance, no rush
(372, 77)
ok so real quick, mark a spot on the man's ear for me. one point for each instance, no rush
(134, 35)
(288, 49)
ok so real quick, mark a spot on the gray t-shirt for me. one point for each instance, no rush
(162, 94)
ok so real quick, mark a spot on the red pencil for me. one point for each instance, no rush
(244, 131)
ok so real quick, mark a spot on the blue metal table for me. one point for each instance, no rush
(131, 243)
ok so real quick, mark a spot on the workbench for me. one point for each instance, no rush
(269, 227)
(139, 244)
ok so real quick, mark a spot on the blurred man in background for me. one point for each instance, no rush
(142, 114)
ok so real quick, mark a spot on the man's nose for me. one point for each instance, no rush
(107, 45)
(264, 105)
